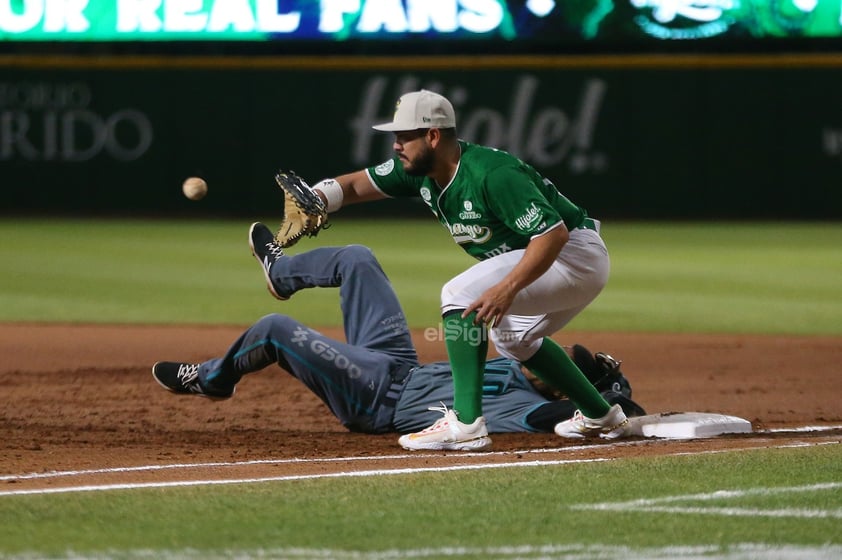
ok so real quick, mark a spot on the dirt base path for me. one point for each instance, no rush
(77, 397)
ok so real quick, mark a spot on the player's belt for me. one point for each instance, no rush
(399, 377)
(590, 223)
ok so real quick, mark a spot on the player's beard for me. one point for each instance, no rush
(421, 165)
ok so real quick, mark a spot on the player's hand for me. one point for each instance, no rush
(491, 305)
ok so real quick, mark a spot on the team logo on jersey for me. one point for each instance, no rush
(470, 233)
(497, 251)
(426, 195)
(529, 218)
(468, 213)
(385, 168)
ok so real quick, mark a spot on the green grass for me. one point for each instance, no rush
(749, 278)
(720, 277)
(667, 277)
(784, 498)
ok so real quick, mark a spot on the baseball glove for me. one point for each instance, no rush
(304, 211)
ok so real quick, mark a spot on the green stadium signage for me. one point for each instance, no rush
(544, 22)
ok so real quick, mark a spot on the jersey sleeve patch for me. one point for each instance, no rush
(390, 179)
(385, 168)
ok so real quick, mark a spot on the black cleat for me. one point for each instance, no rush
(266, 251)
(184, 379)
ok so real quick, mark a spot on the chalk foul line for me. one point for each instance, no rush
(346, 474)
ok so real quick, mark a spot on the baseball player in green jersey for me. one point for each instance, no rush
(542, 261)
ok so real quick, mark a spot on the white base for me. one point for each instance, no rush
(687, 425)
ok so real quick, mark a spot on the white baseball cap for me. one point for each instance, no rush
(420, 109)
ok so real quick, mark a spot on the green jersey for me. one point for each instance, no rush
(494, 204)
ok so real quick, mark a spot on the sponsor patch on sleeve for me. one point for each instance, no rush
(530, 218)
(385, 168)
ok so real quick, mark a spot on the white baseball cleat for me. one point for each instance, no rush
(449, 434)
(611, 426)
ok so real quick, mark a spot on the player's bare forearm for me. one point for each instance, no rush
(539, 255)
(537, 259)
(358, 188)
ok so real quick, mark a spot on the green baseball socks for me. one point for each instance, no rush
(467, 349)
(553, 366)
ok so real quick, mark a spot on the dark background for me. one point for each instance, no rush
(736, 127)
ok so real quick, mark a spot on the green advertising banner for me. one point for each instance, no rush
(445, 21)
(633, 138)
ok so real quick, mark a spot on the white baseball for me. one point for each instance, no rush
(194, 188)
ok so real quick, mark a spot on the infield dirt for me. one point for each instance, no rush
(81, 397)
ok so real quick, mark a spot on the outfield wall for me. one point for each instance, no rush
(643, 136)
